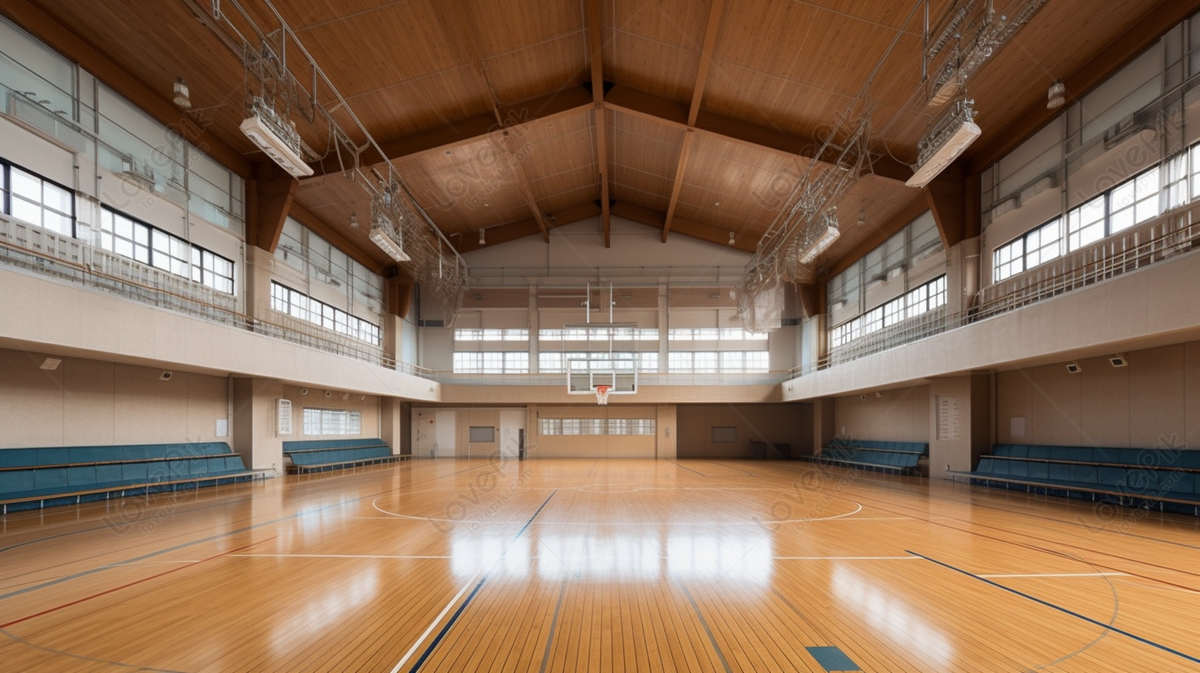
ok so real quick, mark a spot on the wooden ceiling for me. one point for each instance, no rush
(695, 118)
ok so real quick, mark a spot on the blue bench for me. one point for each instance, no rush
(902, 457)
(49, 476)
(319, 455)
(1127, 477)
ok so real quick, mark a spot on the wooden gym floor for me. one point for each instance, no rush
(598, 565)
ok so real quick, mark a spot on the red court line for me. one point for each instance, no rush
(126, 586)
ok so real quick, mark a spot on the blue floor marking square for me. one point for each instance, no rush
(832, 659)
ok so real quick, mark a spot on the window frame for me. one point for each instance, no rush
(7, 195)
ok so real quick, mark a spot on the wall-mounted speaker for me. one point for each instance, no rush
(1074, 368)
(304, 391)
(1118, 360)
(165, 376)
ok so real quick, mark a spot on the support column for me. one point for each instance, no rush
(960, 422)
(254, 418)
(259, 268)
(532, 430)
(666, 446)
(822, 424)
(962, 279)
(395, 416)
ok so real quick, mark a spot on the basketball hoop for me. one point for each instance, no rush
(602, 394)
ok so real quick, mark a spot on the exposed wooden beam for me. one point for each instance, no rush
(685, 151)
(945, 197)
(1137, 39)
(512, 231)
(882, 233)
(399, 291)
(595, 57)
(58, 37)
(698, 230)
(710, 40)
(657, 108)
(469, 130)
(374, 260)
(270, 192)
(808, 299)
(706, 51)
(464, 35)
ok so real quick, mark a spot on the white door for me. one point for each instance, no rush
(512, 421)
(445, 437)
(424, 428)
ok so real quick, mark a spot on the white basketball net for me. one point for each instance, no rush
(602, 394)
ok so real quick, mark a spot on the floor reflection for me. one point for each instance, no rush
(613, 552)
(891, 615)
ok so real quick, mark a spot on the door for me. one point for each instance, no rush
(512, 425)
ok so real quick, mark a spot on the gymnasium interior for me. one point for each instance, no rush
(599, 335)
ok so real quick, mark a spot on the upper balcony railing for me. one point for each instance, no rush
(1173, 233)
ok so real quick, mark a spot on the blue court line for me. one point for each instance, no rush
(1061, 609)
(676, 463)
(553, 623)
(211, 538)
(704, 623)
(458, 613)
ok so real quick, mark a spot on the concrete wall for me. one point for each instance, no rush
(771, 423)
(897, 415)
(88, 402)
(1155, 401)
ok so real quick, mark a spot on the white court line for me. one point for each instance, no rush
(435, 622)
(844, 558)
(341, 556)
(1060, 575)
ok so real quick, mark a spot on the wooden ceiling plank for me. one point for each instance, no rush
(61, 39)
(685, 227)
(1139, 37)
(512, 231)
(710, 40)
(649, 106)
(595, 51)
(463, 35)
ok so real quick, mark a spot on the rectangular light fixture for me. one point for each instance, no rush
(949, 139)
(820, 245)
(383, 234)
(277, 140)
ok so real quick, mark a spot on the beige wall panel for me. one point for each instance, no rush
(31, 401)
(772, 423)
(900, 415)
(1105, 403)
(1191, 394)
(90, 403)
(1055, 414)
(1156, 396)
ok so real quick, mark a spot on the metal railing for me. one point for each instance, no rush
(1171, 234)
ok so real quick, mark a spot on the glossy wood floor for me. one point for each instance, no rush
(585, 565)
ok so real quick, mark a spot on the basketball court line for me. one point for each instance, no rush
(1057, 575)
(704, 622)
(458, 613)
(1061, 609)
(553, 625)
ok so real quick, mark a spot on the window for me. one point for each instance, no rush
(332, 422)
(713, 362)
(915, 302)
(31, 198)
(143, 243)
(597, 426)
(1085, 224)
(714, 334)
(302, 307)
(491, 362)
(1134, 201)
(1026, 252)
(491, 335)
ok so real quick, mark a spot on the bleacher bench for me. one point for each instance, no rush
(319, 455)
(887, 456)
(49, 476)
(1128, 477)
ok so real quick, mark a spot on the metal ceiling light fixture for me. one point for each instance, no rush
(384, 218)
(482, 238)
(948, 139)
(276, 137)
(824, 239)
(732, 240)
(1056, 95)
(182, 97)
(862, 217)
(354, 220)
